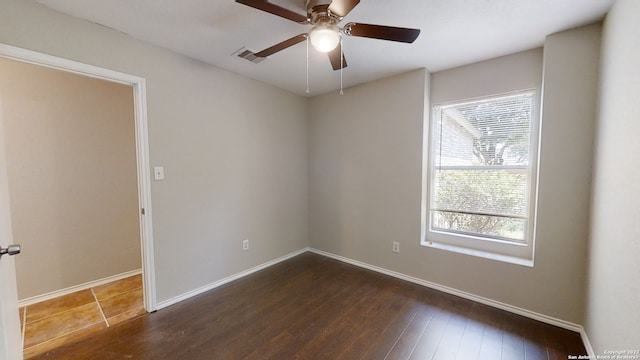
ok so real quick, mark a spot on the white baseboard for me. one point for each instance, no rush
(493, 303)
(213, 285)
(88, 285)
(587, 343)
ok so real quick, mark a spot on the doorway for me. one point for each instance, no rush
(140, 163)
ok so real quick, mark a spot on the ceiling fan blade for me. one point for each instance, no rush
(335, 55)
(343, 7)
(382, 32)
(265, 5)
(281, 46)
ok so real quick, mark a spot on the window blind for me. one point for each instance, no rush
(480, 173)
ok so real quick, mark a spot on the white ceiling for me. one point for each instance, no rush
(454, 32)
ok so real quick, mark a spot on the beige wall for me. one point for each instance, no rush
(71, 155)
(613, 297)
(234, 150)
(365, 171)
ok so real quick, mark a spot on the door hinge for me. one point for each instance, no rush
(142, 211)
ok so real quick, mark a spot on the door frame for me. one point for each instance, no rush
(142, 146)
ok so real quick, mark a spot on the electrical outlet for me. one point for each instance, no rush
(396, 247)
(245, 245)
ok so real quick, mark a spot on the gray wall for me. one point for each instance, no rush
(613, 297)
(234, 150)
(571, 68)
(365, 179)
(365, 150)
(510, 73)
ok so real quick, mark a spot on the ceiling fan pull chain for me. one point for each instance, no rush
(308, 91)
(341, 66)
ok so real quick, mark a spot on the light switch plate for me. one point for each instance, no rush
(158, 173)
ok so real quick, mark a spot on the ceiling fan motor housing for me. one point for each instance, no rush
(310, 4)
(318, 12)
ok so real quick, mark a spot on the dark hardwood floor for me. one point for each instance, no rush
(312, 307)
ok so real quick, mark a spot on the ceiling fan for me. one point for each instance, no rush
(325, 34)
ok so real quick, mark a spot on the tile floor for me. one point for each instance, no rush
(52, 323)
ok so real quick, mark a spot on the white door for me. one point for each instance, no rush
(10, 337)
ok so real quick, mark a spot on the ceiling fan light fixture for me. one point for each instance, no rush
(324, 38)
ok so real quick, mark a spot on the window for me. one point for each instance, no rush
(480, 179)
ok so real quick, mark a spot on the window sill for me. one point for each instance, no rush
(479, 253)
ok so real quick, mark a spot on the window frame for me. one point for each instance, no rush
(494, 248)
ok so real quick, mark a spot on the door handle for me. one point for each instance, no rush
(10, 250)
